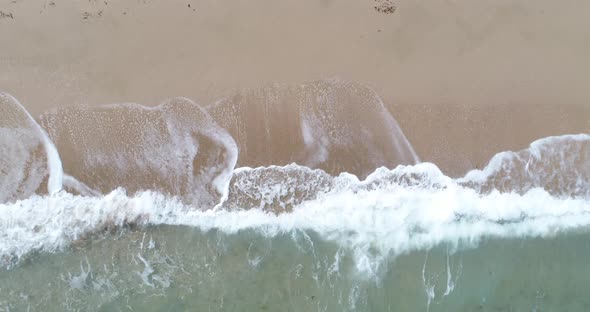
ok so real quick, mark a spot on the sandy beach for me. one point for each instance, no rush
(453, 73)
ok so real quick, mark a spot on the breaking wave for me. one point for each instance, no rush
(129, 165)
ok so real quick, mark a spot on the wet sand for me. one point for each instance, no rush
(464, 79)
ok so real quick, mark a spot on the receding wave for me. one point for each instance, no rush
(174, 148)
(560, 165)
(332, 125)
(28, 159)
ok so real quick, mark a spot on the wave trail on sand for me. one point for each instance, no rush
(174, 148)
(558, 164)
(28, 158)
(333, 125)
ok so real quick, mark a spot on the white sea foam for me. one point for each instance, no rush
(373, 222)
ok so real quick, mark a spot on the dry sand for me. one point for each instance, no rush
(465, 79)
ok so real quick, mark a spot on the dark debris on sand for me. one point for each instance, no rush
(4, 15)
(385, 6)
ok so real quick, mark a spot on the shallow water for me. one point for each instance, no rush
(171, 268)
